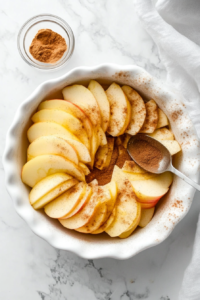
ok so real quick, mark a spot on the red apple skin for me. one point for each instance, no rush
(148, 204)
(147, 201)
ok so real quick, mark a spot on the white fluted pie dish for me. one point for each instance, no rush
(170, 210)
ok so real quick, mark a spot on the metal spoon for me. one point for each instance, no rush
(166, 162)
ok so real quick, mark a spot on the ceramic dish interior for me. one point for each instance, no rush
(170, 210)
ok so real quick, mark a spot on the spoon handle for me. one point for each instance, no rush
(185, 178)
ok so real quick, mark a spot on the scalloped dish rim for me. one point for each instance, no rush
(173, 207)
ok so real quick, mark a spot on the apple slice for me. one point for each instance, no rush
(65, 203)
(126, 204)
(128, 119)
(152, 189)
(151, 120)
(52, 129)
(146, 216)
(105, 197)
(96, 220)
(137, 218)
(113, 188)
(104, 154)
(134, 225)
(138, 110)
(162, 119)
(136, 177)
(44, 165)
(100, 157)
(131, 167)
(162, 134)
(98, 139)
(85, 169)
(172, 146)
(81, 96)
(106, 224)
(148, 205)
(94, 146)
(71, 123)
(102, 137)
(100, 175)
(81, 204)
(52, 145)
(102, 100)
(120, 110)
(70, 108)
(110, 143)
(46, 185)
(48, 128)
(54, 193)
(86, 213)
(108, 190)
(109, 220)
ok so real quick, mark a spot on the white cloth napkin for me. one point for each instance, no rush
(174, 25)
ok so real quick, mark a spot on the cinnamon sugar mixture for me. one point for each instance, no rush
(119, 156)
(104, 176)
(146, 154)
(48, 46)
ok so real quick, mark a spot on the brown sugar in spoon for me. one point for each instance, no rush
(154, 157)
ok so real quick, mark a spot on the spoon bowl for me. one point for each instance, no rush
(165, 163)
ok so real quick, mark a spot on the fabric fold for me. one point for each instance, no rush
(174, 26)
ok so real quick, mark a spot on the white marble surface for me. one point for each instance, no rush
(105, 31)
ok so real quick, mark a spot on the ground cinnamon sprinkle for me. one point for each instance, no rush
(104, 176)
(48, 46)
(146, 154)
(123, 156)
(119, 156)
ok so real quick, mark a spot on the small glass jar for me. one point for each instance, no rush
(30, 29)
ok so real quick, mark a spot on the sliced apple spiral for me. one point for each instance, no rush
(126, 205)
(85, 214)
(70, 108)
(64, 204)
(81, 204)
(96, 220)
(44, 165)
(53, 129)
(52, 145)
(54, 193)
(71, 136)
(72, 124)
(81, 96)
(46, 185)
